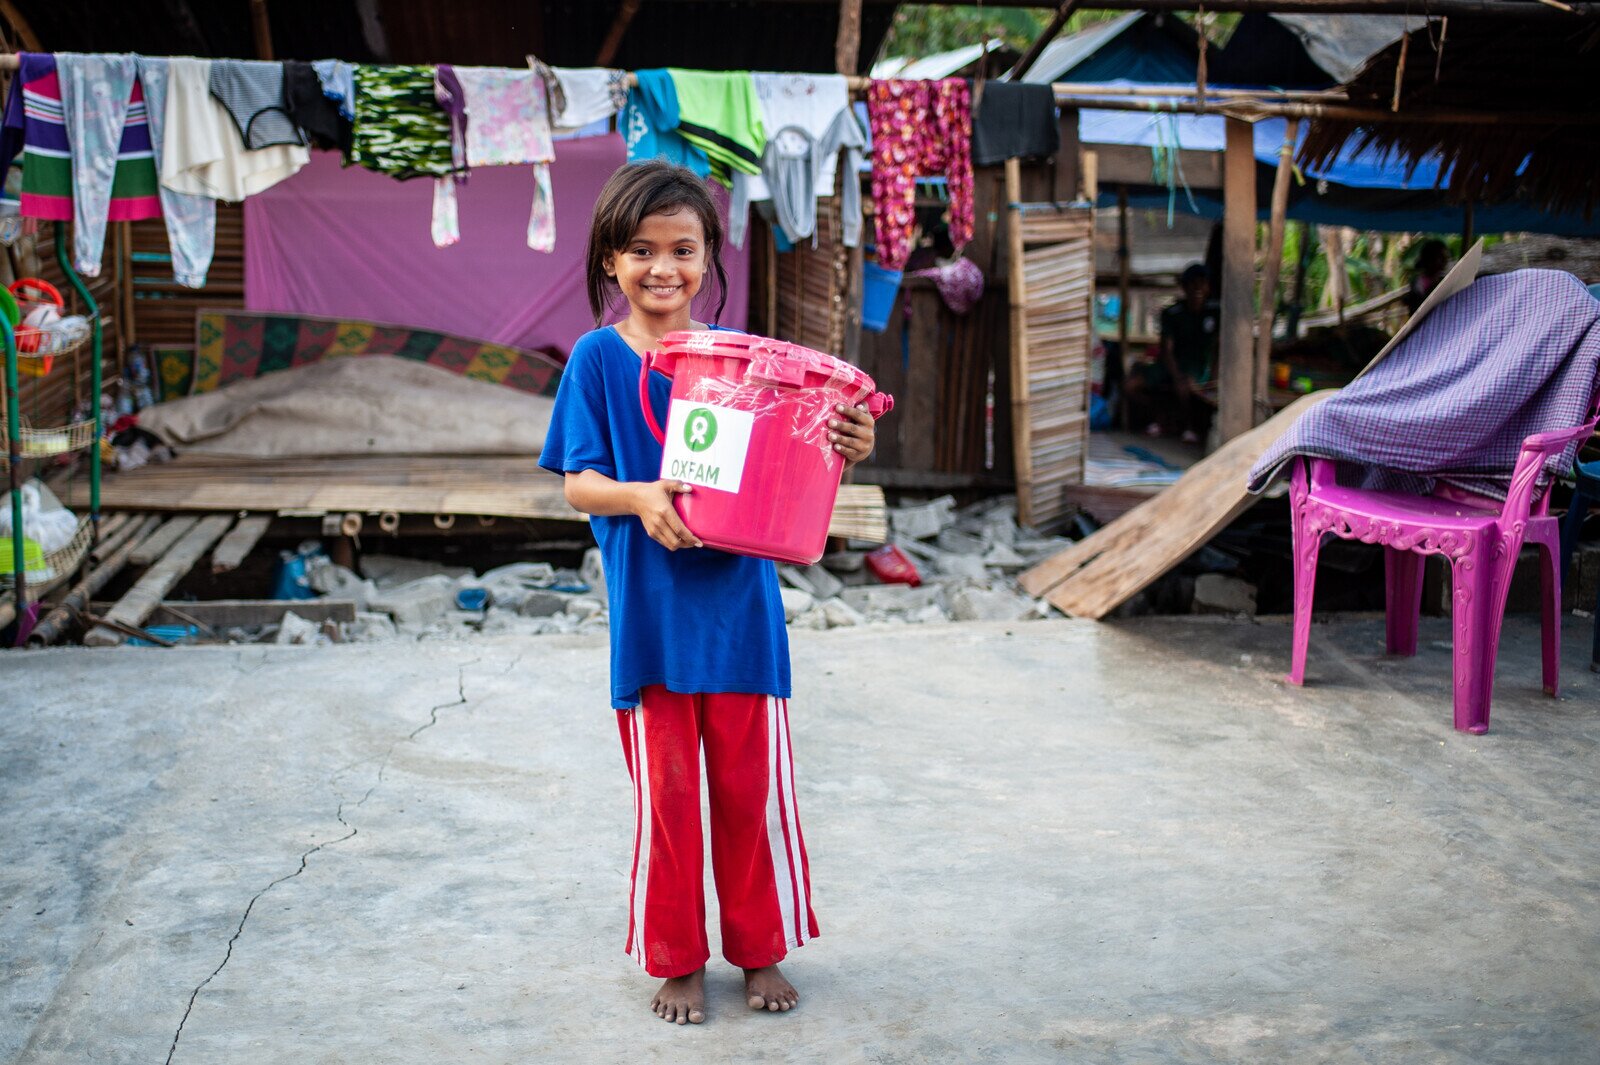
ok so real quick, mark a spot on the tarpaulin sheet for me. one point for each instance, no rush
(349, 243)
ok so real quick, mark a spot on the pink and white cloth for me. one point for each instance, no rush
(507, 123)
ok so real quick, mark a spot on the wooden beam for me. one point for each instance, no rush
(1514, 9)
(145, 596)
(239, 542)
(847, 45)
(1021, 444)
(1269, 271)
(1256, 108)
(1124, 276)
(1235, 361)
(19, 26)
(1031, 56)
(618, 30)
(224, 614)
(162, 540)
(261, 26)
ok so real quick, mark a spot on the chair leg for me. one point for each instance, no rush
(1307, 546)
(1403, 574)
(1472, 601)
(1550, 628)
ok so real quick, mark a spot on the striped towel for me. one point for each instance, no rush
(35, 111)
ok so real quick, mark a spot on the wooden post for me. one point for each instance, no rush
(619, 27)
(847, 46)
(1235, 352)
(1020, 442)
(1466, 228)
(262, 25)
(1124, 275)
(1269, 271)
(1031, 56)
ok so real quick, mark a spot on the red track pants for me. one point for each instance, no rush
(758, 856)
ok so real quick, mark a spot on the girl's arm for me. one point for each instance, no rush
(592, 492)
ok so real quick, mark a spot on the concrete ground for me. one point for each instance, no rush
(1045, 842)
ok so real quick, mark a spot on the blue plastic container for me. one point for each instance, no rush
(878, 290)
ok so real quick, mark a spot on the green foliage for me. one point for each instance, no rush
(927, 29)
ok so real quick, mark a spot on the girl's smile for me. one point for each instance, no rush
(660, 270)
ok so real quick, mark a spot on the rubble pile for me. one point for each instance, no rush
(965, 565)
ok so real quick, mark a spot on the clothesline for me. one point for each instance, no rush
(192, 131)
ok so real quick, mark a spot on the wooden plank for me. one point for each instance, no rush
(239, 542)
(1235, 344)
(143, 597)
(1101, 572)
(223, 614)
(491, 486)
(161, 541)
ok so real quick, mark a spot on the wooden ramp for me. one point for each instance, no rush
(1101, 572)
(500, 486)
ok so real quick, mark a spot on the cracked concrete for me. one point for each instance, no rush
(1031, 842)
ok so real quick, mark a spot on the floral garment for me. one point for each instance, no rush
(919, 129)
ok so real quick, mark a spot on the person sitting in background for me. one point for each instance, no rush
(1164, 392)
(1433, 262)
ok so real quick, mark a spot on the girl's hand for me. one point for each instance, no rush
(852, 433)
(653, 504)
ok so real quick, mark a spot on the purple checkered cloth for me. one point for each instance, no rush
(1504, 358)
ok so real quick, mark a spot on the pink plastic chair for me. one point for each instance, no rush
(1480, 537)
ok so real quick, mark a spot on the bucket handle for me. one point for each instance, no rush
(659, 433)
(879, 404)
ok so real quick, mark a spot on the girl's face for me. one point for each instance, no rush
(660, 269)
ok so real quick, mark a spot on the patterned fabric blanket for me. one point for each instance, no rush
(241, 345)
(1504, 358)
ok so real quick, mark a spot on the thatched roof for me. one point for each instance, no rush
(1494, 67)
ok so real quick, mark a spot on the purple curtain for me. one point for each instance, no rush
(348, 243)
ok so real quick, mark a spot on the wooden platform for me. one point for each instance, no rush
(499, 486)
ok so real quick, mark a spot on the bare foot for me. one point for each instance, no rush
(682, 999)
(767, 989)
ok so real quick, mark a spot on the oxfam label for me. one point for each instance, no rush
(700, 430)
(706, 444)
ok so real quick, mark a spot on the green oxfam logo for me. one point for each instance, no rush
(700, 430)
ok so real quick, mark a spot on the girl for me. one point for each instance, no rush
(699, 655)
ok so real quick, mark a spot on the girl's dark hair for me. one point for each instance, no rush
(630, 196)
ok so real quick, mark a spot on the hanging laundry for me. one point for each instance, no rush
(399, 128)
(650, 124)
(36, 129)
(447, 91)
(338, 84)
(252, 91)
(919, 129)
(718, 112)
(588, 94)
(809, 101)
(202, 152)
(792, 169)
(98, 97)
(314, 111)
(1015, 120)
(191, 220)
(510, 127)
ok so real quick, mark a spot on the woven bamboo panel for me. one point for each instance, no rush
(1052, 296)
(163, 310)
(812, 285)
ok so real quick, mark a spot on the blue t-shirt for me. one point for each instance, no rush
(696, 619)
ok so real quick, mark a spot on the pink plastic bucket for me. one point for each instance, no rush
(748, 427)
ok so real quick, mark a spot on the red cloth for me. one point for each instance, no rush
(758, 855)
(919, 129)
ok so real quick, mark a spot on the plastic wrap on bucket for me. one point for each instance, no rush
(748, 427)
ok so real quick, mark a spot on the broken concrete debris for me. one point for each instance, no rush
(968, 558)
